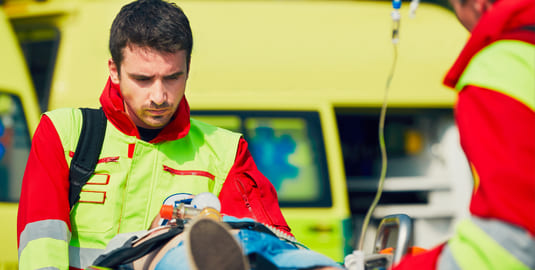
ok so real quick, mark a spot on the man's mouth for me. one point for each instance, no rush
(158, 111)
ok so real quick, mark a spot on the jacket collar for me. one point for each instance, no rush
(504, 17)
(113, 106)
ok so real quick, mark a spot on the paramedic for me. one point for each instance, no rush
(495, 113)
(152, 151)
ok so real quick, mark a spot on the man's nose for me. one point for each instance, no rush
(158, 93)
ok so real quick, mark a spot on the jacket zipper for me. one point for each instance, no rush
(241, 188)
(188, 172)
(261, 206)
(102, 160)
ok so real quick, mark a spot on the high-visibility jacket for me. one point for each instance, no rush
(496, 120)
(130, 183)
(495, 114)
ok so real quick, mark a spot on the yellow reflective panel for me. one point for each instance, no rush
(229, 122)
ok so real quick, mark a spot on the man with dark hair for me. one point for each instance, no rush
(495, 114)
(158, 25)
(152, 153)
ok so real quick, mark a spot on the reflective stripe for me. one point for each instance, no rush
(446, 260)
(33, 257)
(83, 257)
(52, 235)
(516, 240)
(472, 248)
(50, 228)
(507, 66)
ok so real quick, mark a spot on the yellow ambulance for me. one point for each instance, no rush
(19, 114)
(302, 80)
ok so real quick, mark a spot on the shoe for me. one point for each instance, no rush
(210, 245)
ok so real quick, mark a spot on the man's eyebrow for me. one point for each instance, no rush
(176, 74)
(139, 76)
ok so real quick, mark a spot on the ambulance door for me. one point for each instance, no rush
(19, 114)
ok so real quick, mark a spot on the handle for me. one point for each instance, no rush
(400, 223)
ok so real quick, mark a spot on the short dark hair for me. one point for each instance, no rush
(155, 24)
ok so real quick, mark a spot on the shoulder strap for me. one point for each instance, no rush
(87, 151)
(129, 253)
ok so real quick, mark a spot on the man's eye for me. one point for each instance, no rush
(141, 79)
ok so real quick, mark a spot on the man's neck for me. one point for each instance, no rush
(148, 134)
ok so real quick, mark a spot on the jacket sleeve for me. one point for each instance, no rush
(248, 193)
(497, 134)
(43, 226)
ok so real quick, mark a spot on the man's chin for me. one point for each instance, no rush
(156, 123)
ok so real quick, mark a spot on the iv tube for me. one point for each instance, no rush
(395, 40)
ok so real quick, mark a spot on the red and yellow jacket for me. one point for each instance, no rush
(51, 235)
(495, 114)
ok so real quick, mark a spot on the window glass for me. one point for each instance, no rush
(39, 44)
(409, 136)
(413, 140)
(14, 147)
(287, 148)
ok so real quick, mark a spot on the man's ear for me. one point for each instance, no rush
(482, 6)
(114, 72)
(187, 73)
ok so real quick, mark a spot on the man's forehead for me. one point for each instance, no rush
(145, 50)
(137, 55)
(146, 61)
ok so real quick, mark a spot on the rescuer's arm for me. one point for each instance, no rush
(43, 226)
(248, 193)
(497, 135)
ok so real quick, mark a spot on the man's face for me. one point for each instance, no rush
(469, 12)
(152, 84)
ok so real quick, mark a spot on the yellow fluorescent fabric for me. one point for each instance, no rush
(38, 259)
(507, 66)
(474, 249)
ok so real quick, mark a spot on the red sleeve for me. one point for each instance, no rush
(497, 134)
(45, 185)
(248, 193)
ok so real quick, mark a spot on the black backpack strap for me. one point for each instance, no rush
(129, 253)
(87, 151)
(251, 225)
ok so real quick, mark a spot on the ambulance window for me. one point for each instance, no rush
(413, 138)
(287, 148)
(14, 147)
(39, 45)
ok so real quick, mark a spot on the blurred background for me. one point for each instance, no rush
(303, 81)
